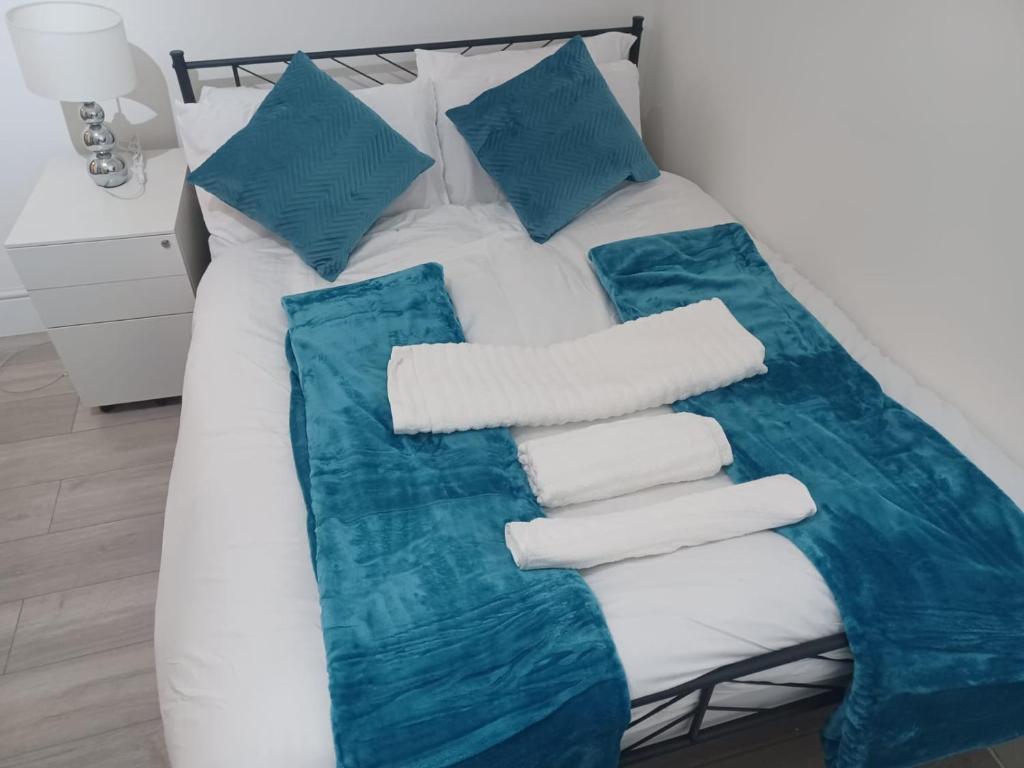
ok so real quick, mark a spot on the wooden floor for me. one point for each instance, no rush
(81, 515)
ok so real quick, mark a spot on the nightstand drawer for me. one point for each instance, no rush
(99, 261)
(80, 304)
(127, 360)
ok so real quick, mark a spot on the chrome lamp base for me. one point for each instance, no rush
(106, 167)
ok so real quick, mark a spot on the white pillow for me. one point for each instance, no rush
(438, 65)
(409, 108)
(467, 181)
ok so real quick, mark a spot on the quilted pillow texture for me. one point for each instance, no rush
(554, 139)
(465, 180)
(314, 165)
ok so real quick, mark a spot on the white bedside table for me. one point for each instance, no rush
(114, 279)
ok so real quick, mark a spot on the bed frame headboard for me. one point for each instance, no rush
(244, 64)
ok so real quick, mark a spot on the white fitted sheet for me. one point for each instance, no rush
(240, 658)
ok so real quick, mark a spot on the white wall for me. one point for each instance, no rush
(33, 128)
(30, 127)
(879, 145)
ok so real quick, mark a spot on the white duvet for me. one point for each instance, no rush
(240, 658)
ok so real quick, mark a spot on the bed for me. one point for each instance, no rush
(711, 639)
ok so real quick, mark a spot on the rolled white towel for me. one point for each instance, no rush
(652, 361)
(699, 518)
(620, 457)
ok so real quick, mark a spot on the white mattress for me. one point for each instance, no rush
(240, 657)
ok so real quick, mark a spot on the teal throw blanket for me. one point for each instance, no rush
(924, 554)
(440, 652)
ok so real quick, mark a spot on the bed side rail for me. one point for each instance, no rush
(689, 721)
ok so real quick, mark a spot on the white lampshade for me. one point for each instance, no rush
(72, 51)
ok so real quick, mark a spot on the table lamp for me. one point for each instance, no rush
(73, 51)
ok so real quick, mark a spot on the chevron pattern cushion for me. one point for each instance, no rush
(314, 165)
(554, 139)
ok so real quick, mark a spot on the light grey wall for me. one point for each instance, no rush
(879, 145)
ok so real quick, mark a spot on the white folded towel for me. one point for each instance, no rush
(699, 518)
(613, 459)
(629, 367)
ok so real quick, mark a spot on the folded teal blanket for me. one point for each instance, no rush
(924, 554)
(440, 652)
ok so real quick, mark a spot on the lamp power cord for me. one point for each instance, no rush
(10, 356)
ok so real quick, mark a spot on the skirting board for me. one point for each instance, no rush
(18, 316)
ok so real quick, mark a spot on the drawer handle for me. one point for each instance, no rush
(165, 243)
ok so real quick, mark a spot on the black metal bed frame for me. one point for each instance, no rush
(244, 64)
(680, 720)
(690, 721)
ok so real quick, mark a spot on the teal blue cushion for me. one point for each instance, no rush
(315, 166)
(554, 139)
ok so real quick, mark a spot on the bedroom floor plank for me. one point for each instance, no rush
(805, 752)
(1011, 754)
(76, 699)
(796, 742)
(110, 496)
(81, 521)
(8, 621)
(35, 364)
(94, 418)
(37, 417)
(756, 738)
(801, 752)
(60, 561)
(137, 746)
(78, 622)
(27, 510)
(91, 451)
(19, 382)
(40, 340)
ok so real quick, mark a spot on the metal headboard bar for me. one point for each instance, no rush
(183, 66)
